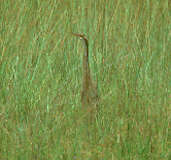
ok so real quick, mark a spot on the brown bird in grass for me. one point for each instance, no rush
(89, 93)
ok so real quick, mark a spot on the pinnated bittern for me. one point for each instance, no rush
(89, 93)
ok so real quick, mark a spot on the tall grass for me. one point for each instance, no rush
(40, 79)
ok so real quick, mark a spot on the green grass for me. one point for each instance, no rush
(40, 79)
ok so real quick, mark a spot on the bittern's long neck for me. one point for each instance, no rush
(86, 67)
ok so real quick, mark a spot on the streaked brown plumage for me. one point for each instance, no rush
(89, 94)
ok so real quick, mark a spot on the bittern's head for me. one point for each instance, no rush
(81, 36)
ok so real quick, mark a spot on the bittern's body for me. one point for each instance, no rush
(89, 94)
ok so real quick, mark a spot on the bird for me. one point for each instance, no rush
(89, 92)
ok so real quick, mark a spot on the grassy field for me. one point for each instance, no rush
(41, 72)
